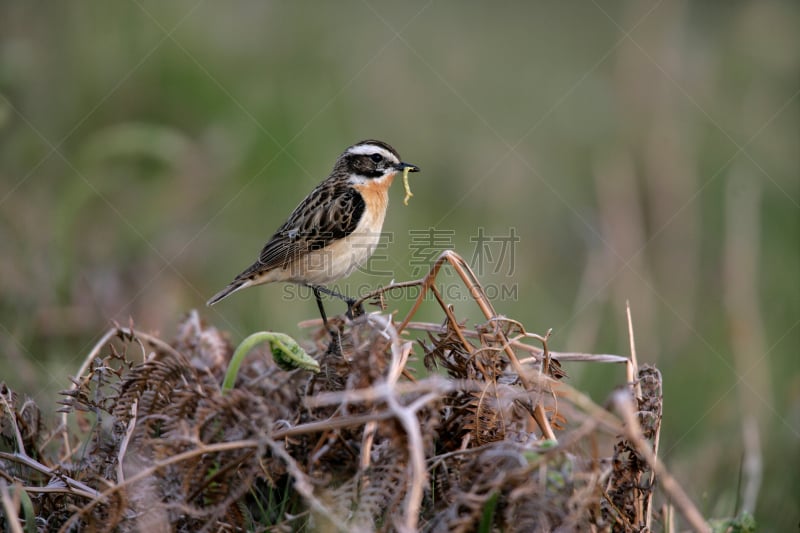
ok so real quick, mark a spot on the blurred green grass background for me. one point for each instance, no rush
(642, 151)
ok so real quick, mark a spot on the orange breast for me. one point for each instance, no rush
(376, 197)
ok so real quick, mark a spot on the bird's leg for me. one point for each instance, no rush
(321, 307)
(335, 342)
(352, 310)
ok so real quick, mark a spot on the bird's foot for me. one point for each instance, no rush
(353, 310)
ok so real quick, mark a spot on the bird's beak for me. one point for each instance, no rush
(402, 166)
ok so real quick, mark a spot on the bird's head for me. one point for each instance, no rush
(371, 160)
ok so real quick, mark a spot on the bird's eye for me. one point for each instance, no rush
(377, 158)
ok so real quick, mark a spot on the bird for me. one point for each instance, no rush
(334, 230)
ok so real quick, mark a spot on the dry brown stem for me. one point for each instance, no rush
(633, 431)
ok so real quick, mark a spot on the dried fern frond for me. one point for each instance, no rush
(489, 440)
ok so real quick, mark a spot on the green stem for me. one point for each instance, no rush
(238, 356)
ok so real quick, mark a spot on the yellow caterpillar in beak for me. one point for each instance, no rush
(407, 188)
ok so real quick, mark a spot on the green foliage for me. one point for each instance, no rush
(744, 523)
(487, 519)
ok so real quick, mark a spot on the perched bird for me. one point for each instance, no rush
(334, 230)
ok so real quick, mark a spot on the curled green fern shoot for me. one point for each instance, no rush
(288, 355)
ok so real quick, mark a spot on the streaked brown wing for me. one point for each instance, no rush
(327, 214)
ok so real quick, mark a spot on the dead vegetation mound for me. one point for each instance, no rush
(491, 439)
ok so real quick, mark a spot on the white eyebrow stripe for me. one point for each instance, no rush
(367, 149)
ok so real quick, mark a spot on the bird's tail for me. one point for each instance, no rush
(232, 287)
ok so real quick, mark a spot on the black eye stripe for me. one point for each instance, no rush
(369, 165)
(372, 173)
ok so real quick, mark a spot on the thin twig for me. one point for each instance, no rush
(643, 508)
(379, 391)
(330, 424)
(535, 350)
(633, 368)
(123, 447)
(633, 432)
(581, 357)
(77, 486)
(152, 340)
(386, 288)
